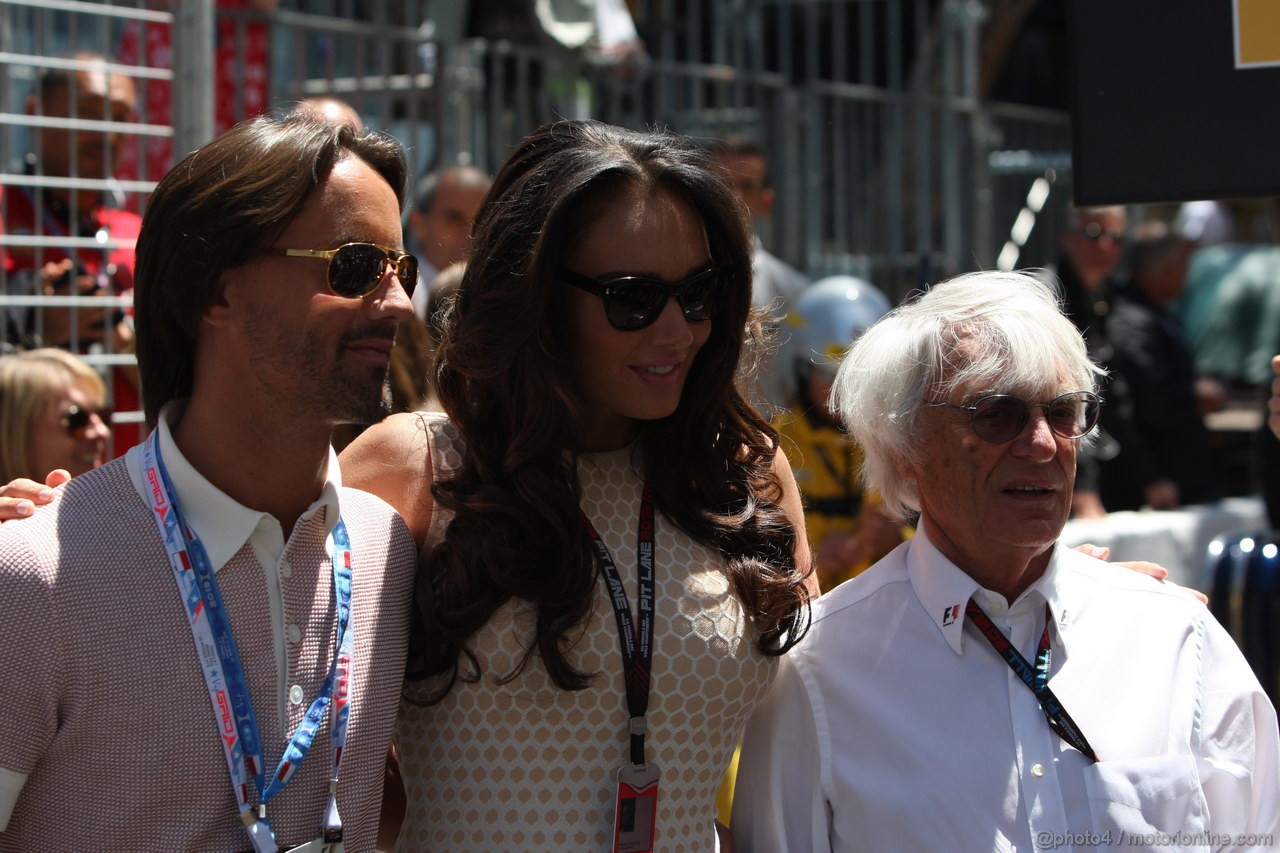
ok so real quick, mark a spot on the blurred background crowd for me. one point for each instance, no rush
(877, 146)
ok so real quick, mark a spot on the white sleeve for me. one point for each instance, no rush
(10, 786)
(778, 801)
(1239, 755)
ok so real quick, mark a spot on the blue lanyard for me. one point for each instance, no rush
(1036, 678)
(224, 676)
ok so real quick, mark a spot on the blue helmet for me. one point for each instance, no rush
(824, 321)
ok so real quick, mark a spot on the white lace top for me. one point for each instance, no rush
(526, 766)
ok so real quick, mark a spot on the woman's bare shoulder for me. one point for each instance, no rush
(793, 506)
(392, 459)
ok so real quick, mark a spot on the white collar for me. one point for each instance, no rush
(944, 589)
(223, 523)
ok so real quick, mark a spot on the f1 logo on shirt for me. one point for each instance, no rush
(950, 615)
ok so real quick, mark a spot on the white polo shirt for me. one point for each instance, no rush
(225, 525)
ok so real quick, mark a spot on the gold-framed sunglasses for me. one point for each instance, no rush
(356, 269)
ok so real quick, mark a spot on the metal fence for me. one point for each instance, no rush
(886, 160)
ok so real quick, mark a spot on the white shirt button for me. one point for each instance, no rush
(1037, 770)
(293, 633)
(295, 694)
(286, 570)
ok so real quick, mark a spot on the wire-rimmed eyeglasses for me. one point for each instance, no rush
(998, 418)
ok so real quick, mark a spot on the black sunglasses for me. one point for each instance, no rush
(356, 269)
(76, 420)
(1095, 233)
(998, 418)
(632, 302)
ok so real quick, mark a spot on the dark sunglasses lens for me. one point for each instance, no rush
(999, 418)
(407, 272)
(356, 269)
(635, 305)
(77, 420)
(698, 297)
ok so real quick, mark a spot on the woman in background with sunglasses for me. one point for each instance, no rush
(51, 415)
(594, 427)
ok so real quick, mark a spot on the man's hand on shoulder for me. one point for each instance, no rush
(19, 498)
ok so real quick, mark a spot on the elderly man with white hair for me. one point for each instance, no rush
(983, 688)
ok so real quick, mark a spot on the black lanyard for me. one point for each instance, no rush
(637, 640)
(1036, 678)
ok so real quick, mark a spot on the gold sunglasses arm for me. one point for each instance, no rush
(324, 254)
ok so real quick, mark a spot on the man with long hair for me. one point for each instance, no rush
(222, 564)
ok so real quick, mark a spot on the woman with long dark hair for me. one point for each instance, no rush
(596, 448)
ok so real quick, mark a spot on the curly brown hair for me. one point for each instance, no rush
(502, 378)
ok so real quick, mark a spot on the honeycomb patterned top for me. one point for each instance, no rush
(526, 766)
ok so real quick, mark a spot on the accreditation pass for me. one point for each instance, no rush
(636, 812)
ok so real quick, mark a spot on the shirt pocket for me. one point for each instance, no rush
(1148, 802)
